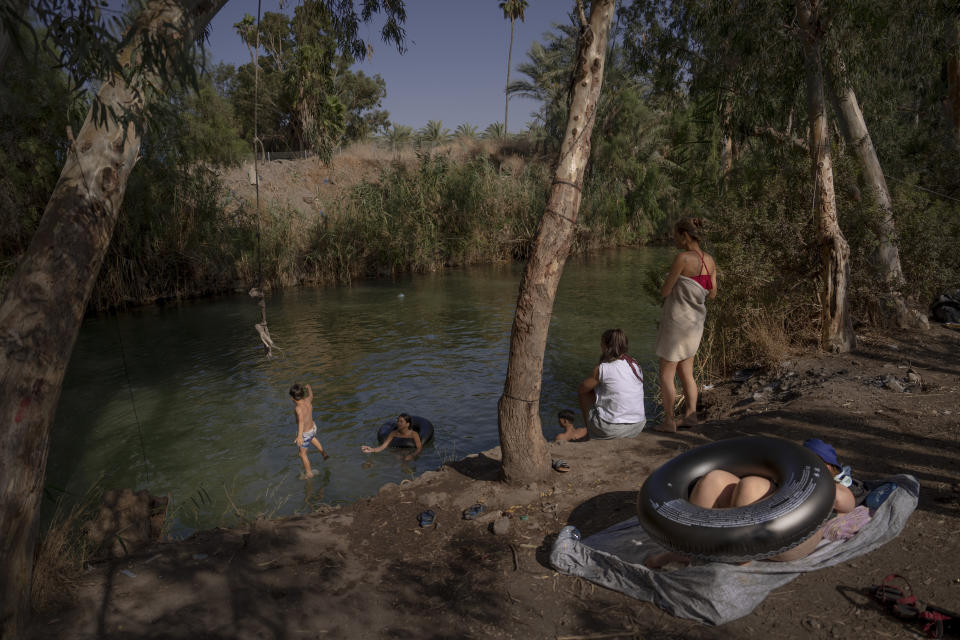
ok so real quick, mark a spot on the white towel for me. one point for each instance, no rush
(681, 320)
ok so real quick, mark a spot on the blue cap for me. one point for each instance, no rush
(826, 452)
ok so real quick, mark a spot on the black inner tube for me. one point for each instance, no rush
(800, 504)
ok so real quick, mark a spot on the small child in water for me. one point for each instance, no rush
(306, 428)
(404, 430)
(569, 433)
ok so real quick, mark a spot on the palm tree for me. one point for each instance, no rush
(496, 131)
(434, 133)
(547, 77)
(466, 131)
(397, 136)
(512, 9)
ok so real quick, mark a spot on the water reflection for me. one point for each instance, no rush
(197, 410)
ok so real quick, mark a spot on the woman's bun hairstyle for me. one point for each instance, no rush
(693, 227)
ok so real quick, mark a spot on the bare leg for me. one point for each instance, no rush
(317, 444)
(669, 393)
(751, 489)
(689, 384)
(715, 490)
(587, 400)
(802, 550)
(307, 472)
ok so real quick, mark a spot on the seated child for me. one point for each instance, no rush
(569, 433)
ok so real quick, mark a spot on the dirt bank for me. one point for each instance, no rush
(368, 570)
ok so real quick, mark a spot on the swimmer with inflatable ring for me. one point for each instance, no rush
(403, 430)
(721, 489)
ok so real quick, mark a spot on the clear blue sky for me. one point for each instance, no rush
(455, 66)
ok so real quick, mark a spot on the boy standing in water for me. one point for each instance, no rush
(306, 428)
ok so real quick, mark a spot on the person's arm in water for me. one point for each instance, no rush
(674, 275)
(386, 443)
(418, 443)
(585, 392)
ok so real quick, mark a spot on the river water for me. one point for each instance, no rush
(181, 401)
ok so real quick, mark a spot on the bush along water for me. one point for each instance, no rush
(176, 241)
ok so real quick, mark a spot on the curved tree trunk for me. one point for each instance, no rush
(43, 305)
(524, 448)
(837, 328)
(886, 258)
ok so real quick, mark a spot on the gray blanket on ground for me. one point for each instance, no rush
(681, 321)
(716, 593)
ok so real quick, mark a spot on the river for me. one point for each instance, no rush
(181, 401)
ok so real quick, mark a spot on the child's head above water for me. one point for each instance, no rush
(565, 415)
(405, 419)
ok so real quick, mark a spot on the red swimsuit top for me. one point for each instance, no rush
(703, 280)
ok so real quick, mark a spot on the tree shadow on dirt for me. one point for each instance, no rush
(464, 581)
(477, 467)
(603, 511)
(269, 574)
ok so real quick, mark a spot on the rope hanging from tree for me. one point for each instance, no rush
(257, 292)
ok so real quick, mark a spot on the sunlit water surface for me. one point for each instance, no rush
(181, 400)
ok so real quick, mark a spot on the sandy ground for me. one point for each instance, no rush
(369, 571)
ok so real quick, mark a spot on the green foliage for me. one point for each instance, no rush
(494, 131)
(397, 136)
(308, 98)
(433, 133)
(423, 218)
(465, 132)
(36, 107)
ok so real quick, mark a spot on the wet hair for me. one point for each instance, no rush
(565, 414)
(298, 391)
(406, 418)
(613, 344)
(693, 227)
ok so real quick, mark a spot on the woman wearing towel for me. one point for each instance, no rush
(692, 279)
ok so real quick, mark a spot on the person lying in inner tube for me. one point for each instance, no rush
(404, 430)
(721, 489)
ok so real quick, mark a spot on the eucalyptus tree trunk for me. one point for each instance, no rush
(837, 328)
(953, 79)
(886, 258)
(524, 449)
(726, 142)
(44, 301)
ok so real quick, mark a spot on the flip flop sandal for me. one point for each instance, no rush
(427, 518)
(561, 466)
(473, 512)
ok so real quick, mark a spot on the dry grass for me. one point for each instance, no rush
(61, 553)
(769, 339)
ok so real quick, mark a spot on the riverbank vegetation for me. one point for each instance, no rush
(725, 143)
